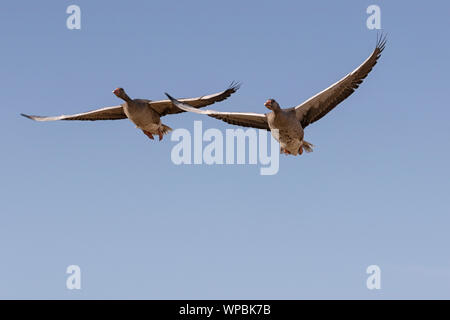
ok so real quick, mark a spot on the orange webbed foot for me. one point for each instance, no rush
(148, 134)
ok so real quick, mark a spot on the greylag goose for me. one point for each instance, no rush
(286, 125)
(145, 114)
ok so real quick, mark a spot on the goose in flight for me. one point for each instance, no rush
(145, 114)
(286, 125)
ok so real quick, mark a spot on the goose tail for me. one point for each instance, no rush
(308, 147)
(165, 129)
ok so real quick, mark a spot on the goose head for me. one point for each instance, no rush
(271, 104)
(120, 93)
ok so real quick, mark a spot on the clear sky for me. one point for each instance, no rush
(103, 196)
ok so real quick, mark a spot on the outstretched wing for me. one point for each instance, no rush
(253, 120)
(319, 105)
(109, 113)
(164, 107)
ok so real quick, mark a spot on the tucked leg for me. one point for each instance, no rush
(300, 151)
(160, 134)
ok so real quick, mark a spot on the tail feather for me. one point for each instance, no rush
(308, 147)
(165, 129)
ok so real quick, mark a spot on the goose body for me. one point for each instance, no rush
(142, 116)
(286, 130)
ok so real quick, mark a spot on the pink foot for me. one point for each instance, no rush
(148, 134)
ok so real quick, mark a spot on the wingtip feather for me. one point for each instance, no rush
(234, 85)
(27, 116)
(173, 100)
(381, 41)
(170, 97)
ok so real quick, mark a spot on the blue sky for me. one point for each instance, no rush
(104, 197)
